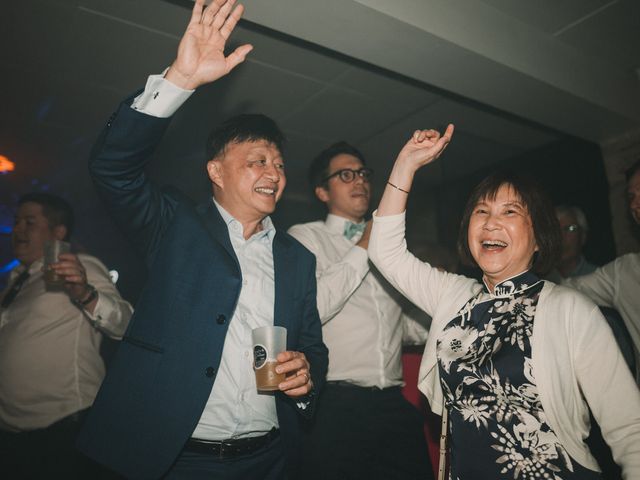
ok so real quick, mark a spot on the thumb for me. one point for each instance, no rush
(237, 56)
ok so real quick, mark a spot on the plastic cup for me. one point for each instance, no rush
(52, 250)
(268, 342)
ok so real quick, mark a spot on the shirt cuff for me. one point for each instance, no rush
(160, 98)
(102, 314)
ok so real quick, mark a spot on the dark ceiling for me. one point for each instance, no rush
(67, 63)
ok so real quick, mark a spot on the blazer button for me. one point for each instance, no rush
(221, 319)
(210, 372)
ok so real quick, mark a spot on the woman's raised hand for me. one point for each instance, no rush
(424, 147)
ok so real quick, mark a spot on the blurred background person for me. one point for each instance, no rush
(617, 284)
(50, 363)
(574, 229)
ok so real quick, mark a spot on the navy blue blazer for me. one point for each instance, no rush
(164, 370)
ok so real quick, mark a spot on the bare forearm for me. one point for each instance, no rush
(394, 198)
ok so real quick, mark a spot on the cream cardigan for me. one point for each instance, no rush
(575, 358)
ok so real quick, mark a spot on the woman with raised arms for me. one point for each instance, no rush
(517, 362)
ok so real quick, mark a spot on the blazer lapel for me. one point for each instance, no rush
(284, 275)
(216, 228)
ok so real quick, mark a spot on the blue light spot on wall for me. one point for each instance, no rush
(5, 229)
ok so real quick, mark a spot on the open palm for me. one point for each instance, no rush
(201, 57)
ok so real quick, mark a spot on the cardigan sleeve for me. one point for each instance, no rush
(427, 287)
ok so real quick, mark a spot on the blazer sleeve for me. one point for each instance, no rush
(311, 343)
(117, 164)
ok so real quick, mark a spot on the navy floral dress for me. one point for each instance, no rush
(497, 426)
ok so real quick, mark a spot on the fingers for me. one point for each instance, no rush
(420, 136)
(443, 142)
(69, 267)
(210, 13)
(237, 57)
(433, 136)
(295, 365)
(291, 361)
(231, 21)
(223, 14)
(196, 12)
(298, 383)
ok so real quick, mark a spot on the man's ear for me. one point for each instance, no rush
(59, 232)
(322, 194)
(214, 170)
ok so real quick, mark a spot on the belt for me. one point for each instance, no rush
(346, 384)
(232, 447)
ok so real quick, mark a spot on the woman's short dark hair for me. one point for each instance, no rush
(546, 228)
(55, 209)
(319, 169)
(248, 127)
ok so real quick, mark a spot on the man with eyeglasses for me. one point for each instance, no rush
(574, 227)
(364, 427)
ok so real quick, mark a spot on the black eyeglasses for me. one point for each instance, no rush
(348, 175)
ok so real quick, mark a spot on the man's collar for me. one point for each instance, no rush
(267, 224)
(335, 223)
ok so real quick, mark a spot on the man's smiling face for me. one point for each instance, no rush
(250, 178)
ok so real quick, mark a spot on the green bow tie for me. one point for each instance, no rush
(352, 229)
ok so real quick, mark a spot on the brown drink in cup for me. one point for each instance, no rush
(268, 342)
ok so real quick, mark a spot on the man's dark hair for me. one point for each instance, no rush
(319, 169)
(55, 209)
(248, 127)
(632, 170)
(546, 228)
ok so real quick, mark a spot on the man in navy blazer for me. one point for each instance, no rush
(179, 400)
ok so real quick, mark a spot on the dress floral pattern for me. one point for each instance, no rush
(498, 428)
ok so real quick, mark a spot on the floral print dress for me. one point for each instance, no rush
(497, 426)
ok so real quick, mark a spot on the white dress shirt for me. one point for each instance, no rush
(50, 363)
(235, 408)
(617, 285)
(360, 312)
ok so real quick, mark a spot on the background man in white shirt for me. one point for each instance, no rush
(364, 427)
(617, 284)
(50, 363)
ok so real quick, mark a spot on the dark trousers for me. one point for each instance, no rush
(268, 463)
(365, 433)
(47, 453)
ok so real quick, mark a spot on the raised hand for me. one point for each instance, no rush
(201, 58)
(424, 147)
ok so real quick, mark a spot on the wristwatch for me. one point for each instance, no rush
(93, 293)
